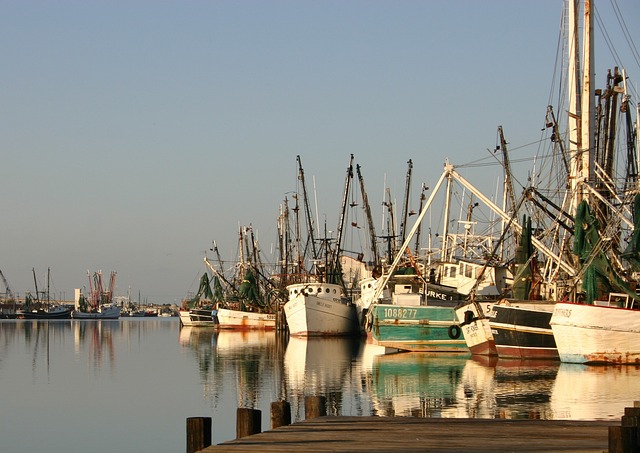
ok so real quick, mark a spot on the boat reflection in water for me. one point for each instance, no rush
(522, 388)
(253, 369)
(582, 392)
(318, 366)
(416, 384)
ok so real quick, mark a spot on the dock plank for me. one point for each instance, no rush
(409, 434)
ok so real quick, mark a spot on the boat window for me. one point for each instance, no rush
(327, 290)
(453, 272)
(319, 289)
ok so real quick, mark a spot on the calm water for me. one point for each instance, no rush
(129, 385)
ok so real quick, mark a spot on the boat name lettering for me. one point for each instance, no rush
(566, 312)
(471, 329)
(431, 294)
(400, 313)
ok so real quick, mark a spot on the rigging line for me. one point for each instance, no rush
(607, 39)
(559, 46)
(609, 43)
(625, 30)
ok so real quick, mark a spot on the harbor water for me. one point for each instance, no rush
(130, 384)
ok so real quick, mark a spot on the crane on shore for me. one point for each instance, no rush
(9, 293)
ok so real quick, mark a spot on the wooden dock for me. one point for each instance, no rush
(410, 434)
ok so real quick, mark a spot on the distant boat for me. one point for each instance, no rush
(52, 312)
(99, 304)
(198, 311)
(104, 311)
(37, 309)
(248, 300)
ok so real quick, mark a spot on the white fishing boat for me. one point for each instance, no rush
(185, 318)
(316, 308)
(245, 302)
(198, 311)
(99, 303)
(318, 300)
(104, 311)
(476, 331)
(603, 325)
(607, 332)
(245, 320)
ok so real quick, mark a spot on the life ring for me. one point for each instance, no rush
(454, 332)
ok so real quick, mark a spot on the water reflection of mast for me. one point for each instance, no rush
(100, 335)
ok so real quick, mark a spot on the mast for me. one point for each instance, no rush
(307, 209)
(422, 198)
(445, 226)
(35, 282)
(508, 198)
(574, 99)
(391, 227)
(631, 176)
(345, 200)
(405, 207)
(48, 280)
(367, 210)
(588, 98)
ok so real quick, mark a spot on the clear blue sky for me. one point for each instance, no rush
(134, 133)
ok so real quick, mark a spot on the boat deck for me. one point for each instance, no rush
(406, 434)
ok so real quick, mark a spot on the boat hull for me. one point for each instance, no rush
(42, 314)
(245, 320)
(417, 328)
(201, 317)
(317, 309)
(593, 334)
(521, 330)
(476, 329)
(185, 318)
(102, 313)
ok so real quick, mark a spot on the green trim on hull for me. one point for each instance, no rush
(417, 328)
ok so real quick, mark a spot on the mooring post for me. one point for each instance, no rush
(280, 414)
(248, 422)
(315, 406)
(626, 438)
(198, 433)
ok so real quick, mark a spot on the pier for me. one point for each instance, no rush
(412, 434)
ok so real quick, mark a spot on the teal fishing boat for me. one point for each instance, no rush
(430, 328)
(410, 309)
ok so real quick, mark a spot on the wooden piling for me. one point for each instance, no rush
(315, 406)
(198, 433)
(626, 438)
(248, 422)
(280, 414)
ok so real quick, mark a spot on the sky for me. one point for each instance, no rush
(134, 133)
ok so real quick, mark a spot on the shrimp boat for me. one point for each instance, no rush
(413, 307)
(99, 304)
(318, 302)
(579, 301)
(198, 311)
(247, 300)
(34, 308)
